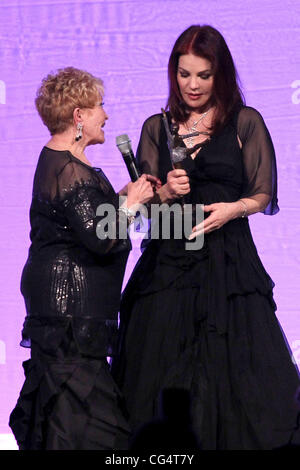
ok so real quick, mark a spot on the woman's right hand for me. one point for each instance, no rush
(141, 191)
(177, 184)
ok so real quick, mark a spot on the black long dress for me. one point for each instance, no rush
(204, 320)
(71, 285)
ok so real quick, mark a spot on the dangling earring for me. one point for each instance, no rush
(79, 132)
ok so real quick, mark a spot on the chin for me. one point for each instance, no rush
(198, 105)
(201, 104)
(99, 140)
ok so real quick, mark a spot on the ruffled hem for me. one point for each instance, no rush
(33, 405)
(94, 337)
(44, 384)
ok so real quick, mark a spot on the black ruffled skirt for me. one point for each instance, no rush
(68, 402)
(242, 382)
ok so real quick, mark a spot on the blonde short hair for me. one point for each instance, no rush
(60, 93)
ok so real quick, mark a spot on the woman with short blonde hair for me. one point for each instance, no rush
(72, 279)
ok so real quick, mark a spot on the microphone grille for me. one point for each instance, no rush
(122, 139)
(123, 143)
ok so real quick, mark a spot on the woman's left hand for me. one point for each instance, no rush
(155, 183)
(220, 214)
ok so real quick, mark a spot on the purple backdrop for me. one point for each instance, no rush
(127, 43)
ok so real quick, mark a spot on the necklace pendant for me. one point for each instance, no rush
(190, 142)
(193, 128)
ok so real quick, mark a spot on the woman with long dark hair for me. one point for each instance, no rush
(204, 320)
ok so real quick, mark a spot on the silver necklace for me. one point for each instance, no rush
(193, 128)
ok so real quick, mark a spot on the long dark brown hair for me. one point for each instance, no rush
(205, 41)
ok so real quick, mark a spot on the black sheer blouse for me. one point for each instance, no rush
(72, 277)
(257, 175)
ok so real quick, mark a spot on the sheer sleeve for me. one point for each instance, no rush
(81, 192)
(260, 173)
(148, 148)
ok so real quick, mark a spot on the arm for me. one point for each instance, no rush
(260, 172)
(81, 193)
(94, 211)
(149, 153)
(259, 192)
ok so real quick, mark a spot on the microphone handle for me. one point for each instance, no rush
(131, 166)
(178, 166)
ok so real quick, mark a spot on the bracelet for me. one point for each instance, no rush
(129, 214)
(245, 208)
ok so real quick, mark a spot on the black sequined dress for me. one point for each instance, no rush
(204, 320)
(71, 284)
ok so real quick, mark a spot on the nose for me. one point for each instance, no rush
(194, 83)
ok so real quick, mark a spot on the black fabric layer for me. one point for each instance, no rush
(70, 272)
(68, 402)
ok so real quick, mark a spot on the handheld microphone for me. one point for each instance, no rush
(124, 145)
